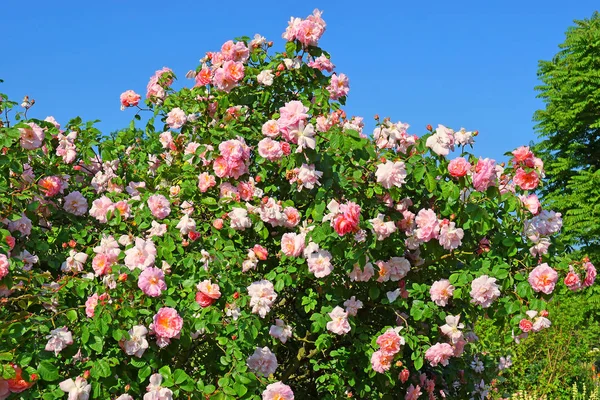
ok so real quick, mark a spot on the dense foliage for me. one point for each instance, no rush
(249, 240)
(569, 127)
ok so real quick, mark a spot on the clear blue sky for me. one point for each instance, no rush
(458, 63)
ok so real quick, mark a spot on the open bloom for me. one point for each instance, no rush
(543, 278)
(262, 295)
(167, 323)
(441, 291)
(155, 391)
(137, 343)
(207, 293)
(159, 206)
(339, 321)
(391, 174)
(278, 391)
(280, 331)
(452, 328)
(152, 281)
(389, 342)
(59, 339)
(77, 389)
(262, 362)
(439, 353)
(484, 291)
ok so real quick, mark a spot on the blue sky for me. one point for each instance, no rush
(458, 63)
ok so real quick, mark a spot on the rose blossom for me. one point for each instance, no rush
(262, 296)
(59, 339)
(525, 325)
(176, 118)
(137, 343)
(339, 321)
(32, 137)
(319, 263)
(543, 278)
(167, 323)
(441, 291)
(129, 98)
(459, 167)
(390, 342)
(75, 203)
(278, 391)
(265, 77)
(280, 331)
(485, 174)
(77, 389)
(159, 206)
(152, 281)
(439, 353)
(381, 362)
(239, 219)
(352, 306)
(484, 291)
(292, 244)
(207, 293)
(262, 362)
(391, 174)
(590, 274)
(4, 264)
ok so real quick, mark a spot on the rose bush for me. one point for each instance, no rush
(250, 241)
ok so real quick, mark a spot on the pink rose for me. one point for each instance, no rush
(167, 323)
(4, 264)
(381, 362)
(459, 167)
(484, 291)
(292, 244)
(152, 281)
(525, 325)
(278, 391)
(262, 362)
(428, 226)
(270, 149)
(590, 274)
(207, 293)
(339, 321)
(390, 342)
(526, 180)
(485, 174)
(441, 291)
(543, 278)
(176, 118)
(32, 137)
(159, 206)
(439, 353)
(391, 174)
(129, 98)
(206, 181)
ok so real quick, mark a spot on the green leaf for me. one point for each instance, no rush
(48, 371)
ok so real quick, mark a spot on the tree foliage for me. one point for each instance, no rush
(569, 129)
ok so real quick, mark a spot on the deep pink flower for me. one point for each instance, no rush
(167, 323)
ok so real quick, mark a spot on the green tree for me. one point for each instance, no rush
(569, 129)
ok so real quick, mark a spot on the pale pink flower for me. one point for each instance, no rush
(319, 263)
(590, 274)
(292, 244)
(339, 86)
(262, 296)
(360, 275)
(156, 230)
(381, 362)
(428, 226)
(452, 328)
(137, 343)
(206, 181)
(239, 219)
(439, 353)
(141, 256)
(543, 278)
(442, 141)
(270, 149)
(176, 118)
(75, 203)
(441, 291)
(352, 306)
(159, 206)
(391, 174)
(265, 77)
(280, 331)
(186, 225)
(124, 397)
(155, 391)
(278, 391)
(77, 389)
(382, 229)
(90, 305)
(262, 362)
(59, 339)
(53, 121)
(109, 247)
(339, 321)
(271, 128)
(32, 137)
(167, 323)
(152, 281)
(485, 174)
(459, 167)
(292, 113)
(101, 264)
(484, 291)
(450, 236)
(306, 177)
(100, 207)
(322, 63)
(463, 138)
(541, 323)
